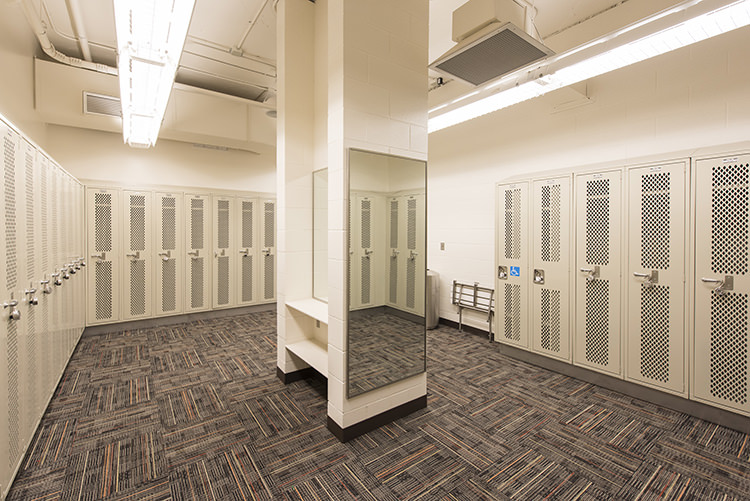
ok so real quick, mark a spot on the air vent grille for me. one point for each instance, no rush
(97, 104)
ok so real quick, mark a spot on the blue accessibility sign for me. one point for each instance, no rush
(515, 271)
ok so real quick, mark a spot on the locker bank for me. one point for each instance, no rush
(334, 249)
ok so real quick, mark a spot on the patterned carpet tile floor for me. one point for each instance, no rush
(195, 412)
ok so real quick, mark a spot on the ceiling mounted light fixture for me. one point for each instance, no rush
(685, 24)
(150, 38)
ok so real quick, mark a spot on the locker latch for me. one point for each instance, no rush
(267, 251)
(195, 253)
(245, 252)
(165, 256)
(135, 255)
(722, 286)
(649, 279)
(368, 252)
(591, 273)
(502, 272)
(13, 305)
(539, 277)
(31, 292)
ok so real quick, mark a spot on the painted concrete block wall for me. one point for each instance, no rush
(692, 98)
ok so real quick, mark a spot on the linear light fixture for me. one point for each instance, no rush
(685, 24)
(150, 38)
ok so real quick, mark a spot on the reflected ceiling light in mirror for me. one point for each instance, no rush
(690, 22)
(150, 38)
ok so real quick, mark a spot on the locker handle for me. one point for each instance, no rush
(134, 255)
(46, 289)
(100, 257)
(650, 278)
(13, 305)
(722, 286)
(194, 253)
(165, 256)
(592, 273)
(245, 252)
(267, 251)
(413, 255)
(368, 252)
(222, 253)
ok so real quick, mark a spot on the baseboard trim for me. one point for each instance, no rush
(292, 377)
(150, 323)
(466, 328)
(668, 400)
(375, 422)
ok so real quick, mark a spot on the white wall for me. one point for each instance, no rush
(692, 98)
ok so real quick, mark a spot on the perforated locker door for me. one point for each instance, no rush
(596, 340)
(223, 246)
(655, 340)
(395, 270)
(46, 266)
(169, 255)
(137, 260)
(198, 257)
(512, 274)
(247, 250)
(722, 209)
(268, 251)
(413, 255)
(103, 251)
(363, 266)
(550, 270)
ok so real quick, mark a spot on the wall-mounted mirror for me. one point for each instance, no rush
(320, 235)
(387, 269)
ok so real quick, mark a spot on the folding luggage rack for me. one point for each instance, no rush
(476, 298)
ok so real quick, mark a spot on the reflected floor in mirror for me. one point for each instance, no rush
(385, 345)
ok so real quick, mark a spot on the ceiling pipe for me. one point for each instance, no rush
(237, 49)
(76, 19)
(32, 16)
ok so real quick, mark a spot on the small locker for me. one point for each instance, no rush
(268, 251)
(246, 240)
(102, 207)
(223, 267)
(655, 339)
(512, 280)
(197, 256)
(550, 273)
(137, 255)
(169, 254)
(596, 342)
(722, 221)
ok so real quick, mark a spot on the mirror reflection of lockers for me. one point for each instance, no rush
(320, 235)
(387, 270)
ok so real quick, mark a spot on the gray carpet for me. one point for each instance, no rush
(195, 411)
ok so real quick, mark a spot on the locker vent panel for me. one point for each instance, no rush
(655, 332)
(411, 224)
(513, 224)
(196, 223)
(411, 282)
(729, 340)
(365, 280)
(14, 411)
(102, 222)
(103, 285)
(597, 322)
(513, 312)
(11, 271)
(550, 320)
(222, 233)
(269, 216)
(393, 281)
(169, 285)
(30, 219)
(168, 224)
(394, 224)
(138, 222)
(729, 219)
(366, 216)
(268, 270)
(138, 287)
(597, 222)
(551, 223)
(247, 225)
(247, 278)
(196, 282)
(222, 280)
(655, 219)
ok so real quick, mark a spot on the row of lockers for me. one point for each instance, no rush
(639, 273)
(155, 253)
(42, 270)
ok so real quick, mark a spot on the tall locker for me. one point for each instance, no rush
(137, 255)
(655, 340)
(550, 275)
(511, 289)
(722, 286)
(46, 265)
(169, 254)
(103, 249)
(394, 270)
(414, 253)
(363, 260)
(268, 251)
(223, 267)
(247, 292)
(198, 248)
(598, 279)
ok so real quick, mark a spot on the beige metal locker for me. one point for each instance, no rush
(247, 229)
(169, 253)
(268, 251)
(45, 282)
(395, 271)
(550, 270)
(414, 253)
(137, 255)
(366, 250)
(512, 280)
(198, 252)
(596, 342)
(223, 267)
(722, 287)
(655, 278)
(103, 251)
